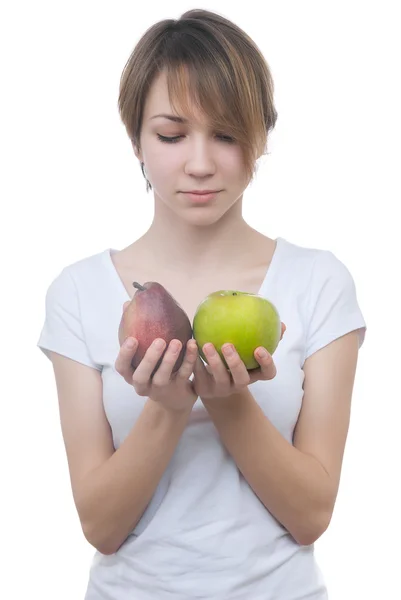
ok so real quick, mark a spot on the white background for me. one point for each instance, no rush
(71, 187)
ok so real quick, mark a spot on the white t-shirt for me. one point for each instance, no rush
(205, 534)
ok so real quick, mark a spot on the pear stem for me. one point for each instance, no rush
(138, 286)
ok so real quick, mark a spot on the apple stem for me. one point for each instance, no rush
(138, 286)
(235, 294)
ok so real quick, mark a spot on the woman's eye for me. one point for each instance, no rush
(169, 140)
(173, 140)
(226, 138)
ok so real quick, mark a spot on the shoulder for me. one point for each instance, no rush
(87, 265)
(76, 286)
(79, 274)
(327, 296)
(306, 254)
(70, 326)
(314, 265)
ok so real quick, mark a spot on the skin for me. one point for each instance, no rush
(192, 238)
(198, 238)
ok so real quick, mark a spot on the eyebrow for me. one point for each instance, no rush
(171, 118)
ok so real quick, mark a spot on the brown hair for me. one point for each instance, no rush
(212, 63)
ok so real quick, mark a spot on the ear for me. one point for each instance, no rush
(137, 151)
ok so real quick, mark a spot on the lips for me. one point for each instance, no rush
(201, 192)
(200, 198)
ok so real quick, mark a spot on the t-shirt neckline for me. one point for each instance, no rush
(271, 269)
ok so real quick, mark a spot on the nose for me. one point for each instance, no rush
(200, 161)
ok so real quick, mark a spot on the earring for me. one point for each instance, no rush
(148, 185)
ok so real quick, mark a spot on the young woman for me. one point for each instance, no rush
(204, 483)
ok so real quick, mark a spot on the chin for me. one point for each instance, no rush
(201, 218)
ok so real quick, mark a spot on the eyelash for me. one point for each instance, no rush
(175, 139)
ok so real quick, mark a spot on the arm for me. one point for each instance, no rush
(111, 488)
(115, 495)
(297, 483)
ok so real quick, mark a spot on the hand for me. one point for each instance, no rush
(172, 390)
(216, 381)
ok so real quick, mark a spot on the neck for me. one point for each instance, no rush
(176, 242)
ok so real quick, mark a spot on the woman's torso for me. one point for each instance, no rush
(205, 534)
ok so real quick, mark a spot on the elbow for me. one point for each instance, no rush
(102, 546)
(99, 541)
(311, 530)
(104, 550)
(99, 533)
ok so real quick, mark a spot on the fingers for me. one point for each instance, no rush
(200, 368)
(217, 369)
(203, 379)
(123, 364)
(283, 328)
(237, 368)
(163, 373)
(141, 378)
(189, 362)
(267, 367)
(143, 372)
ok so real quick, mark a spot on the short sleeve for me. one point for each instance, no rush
(333, 308)
(62, 331)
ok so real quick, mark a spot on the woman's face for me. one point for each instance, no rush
(196, 159)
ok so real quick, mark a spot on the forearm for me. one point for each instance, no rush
(293, 486)
(116, 494)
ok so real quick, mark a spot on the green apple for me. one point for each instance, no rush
(245, 320)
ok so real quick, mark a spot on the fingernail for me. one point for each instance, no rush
(159, 344)
(228, 350)
(129, 343)
(262, 353)
(175, 346)
(210, 351)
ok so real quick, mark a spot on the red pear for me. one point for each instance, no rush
(154, 313)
